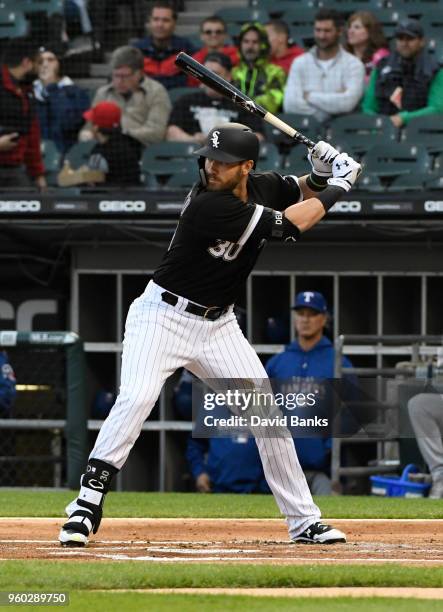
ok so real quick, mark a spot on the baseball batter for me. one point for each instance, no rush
(185, 316)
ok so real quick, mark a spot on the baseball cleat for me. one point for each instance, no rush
(319, 533)
(69, 537)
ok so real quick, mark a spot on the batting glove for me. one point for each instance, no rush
(345, 171)
(321, 157)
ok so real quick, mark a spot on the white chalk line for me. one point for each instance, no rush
(233, 519)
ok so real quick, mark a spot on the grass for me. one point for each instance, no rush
(81, 601)
(194, 505)
(65, 576)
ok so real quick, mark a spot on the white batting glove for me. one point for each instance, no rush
(345, 171)
(321, 157)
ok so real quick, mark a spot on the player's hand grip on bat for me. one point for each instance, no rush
(345, 172)
(321, 157)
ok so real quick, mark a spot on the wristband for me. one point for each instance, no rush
(329, 196)
(316, 182)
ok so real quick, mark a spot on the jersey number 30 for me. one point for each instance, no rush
(227, 250)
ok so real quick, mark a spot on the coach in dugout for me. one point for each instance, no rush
(194, 115)
(7, 386)
(21, 162)
(309, 360)
(409, 82)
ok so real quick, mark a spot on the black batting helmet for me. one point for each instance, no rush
(230, 142)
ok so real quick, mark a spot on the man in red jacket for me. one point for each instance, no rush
(20, 155)
(213, 34)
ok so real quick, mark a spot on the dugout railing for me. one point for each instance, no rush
(401, 371)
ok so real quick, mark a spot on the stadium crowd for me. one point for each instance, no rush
(348, 66)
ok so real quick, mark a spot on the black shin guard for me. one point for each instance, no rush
(95, 483)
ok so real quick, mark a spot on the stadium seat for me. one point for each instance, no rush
(12, 22)
(408, 182)
(177, 92)
(297, 162)
(434, 183)
(51, 159)
(395, 159)
(361, 132)
(426, 131)
(389, 17)
(369, 182)
(165, 159)
(50, 7)
(300, 16)
(240, 15)
(78, 154)
(279, 8)
(347, 7)
(304, 123)
(435, 46)
(269, 158)
(416, 9)
(186, 177)
(268, 5)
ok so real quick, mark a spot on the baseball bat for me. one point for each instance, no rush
(226, 89)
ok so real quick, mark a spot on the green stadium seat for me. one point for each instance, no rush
(347, 7)
(186, 177)
(434, 183)
(279, 8)
(297, 162)
(240, 15)
(12, 22)
(78, 155)
(51, 159)
(50, 7)
(389, 17)
(369, 182)
(165, 159)
(269, 158)
(361, 132)
(304, 123)
(426, 131)
(417, 9)
(395, 159)
(295, 15)
(268, 5)
(435, 46)
(177, 92)
(408, 182)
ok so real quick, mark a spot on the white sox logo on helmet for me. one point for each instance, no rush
(215, 139)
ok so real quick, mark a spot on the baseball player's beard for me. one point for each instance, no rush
(220, 185)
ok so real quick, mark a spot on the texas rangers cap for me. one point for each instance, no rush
(409, 27)
(311, 299)
(230, 143)
(104, 115)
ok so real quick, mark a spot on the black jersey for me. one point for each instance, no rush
(218, 238)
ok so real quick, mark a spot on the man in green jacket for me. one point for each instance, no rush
(408, 83)
(255, 75)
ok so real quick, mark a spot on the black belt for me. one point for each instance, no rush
(212, 312)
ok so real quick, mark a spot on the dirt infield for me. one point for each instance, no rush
(406, 542)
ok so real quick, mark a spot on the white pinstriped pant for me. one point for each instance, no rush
(159, 339)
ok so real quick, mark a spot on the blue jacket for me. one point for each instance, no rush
(7, 386)
(318, 363)
(233, 464)
(60, 108)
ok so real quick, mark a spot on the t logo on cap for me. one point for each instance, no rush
(215, 139)
(311, 299)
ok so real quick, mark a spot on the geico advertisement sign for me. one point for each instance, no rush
(346, 207)
(129, 206)
(20, 206)
(432, 206)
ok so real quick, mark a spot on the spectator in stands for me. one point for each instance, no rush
(326, 81)
(220, 465)
(195, 114)
(308, 360)
(426, 414)
(408, 83)
(60, 103)
(213, 35)
(7, 386)
(161, 46)
(256, 76)
(282, 52)
(20, 155)
(144, 103)
(117, 155)
(365, 40)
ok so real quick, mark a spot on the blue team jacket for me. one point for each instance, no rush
(318, 363)
(7, 386)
